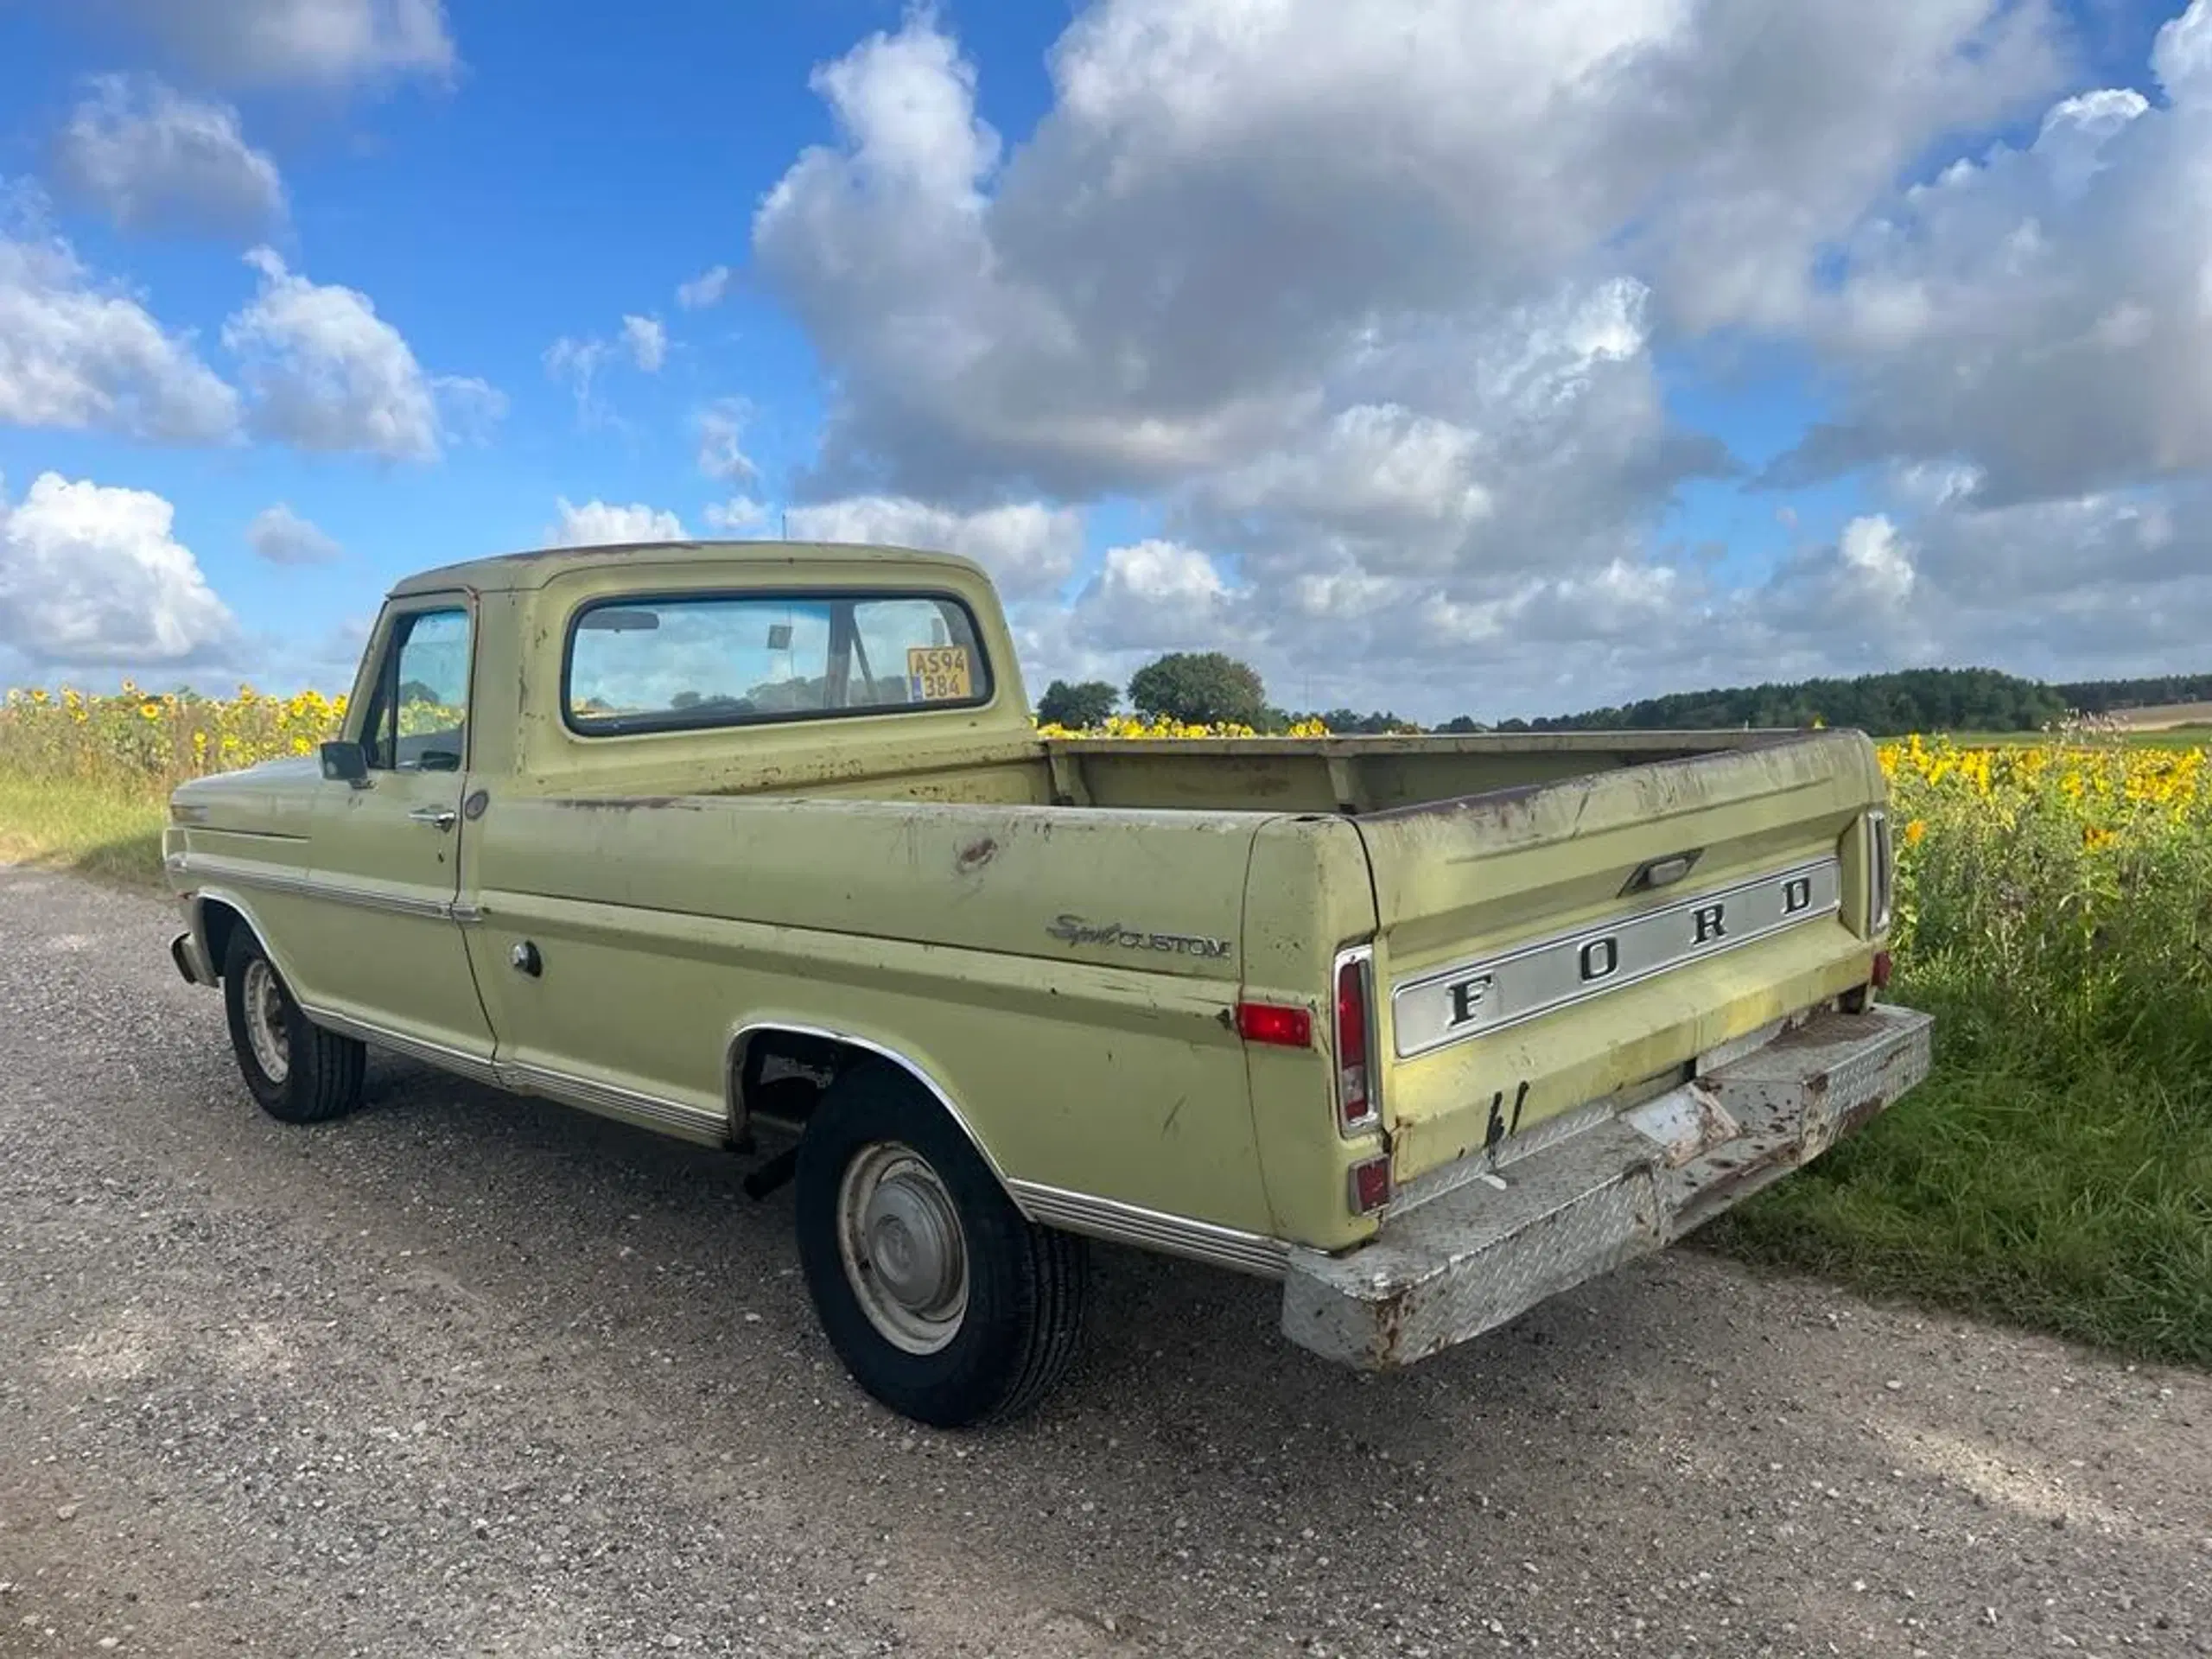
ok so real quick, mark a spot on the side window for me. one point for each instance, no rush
(418, 722)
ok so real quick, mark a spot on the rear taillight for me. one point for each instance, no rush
(1371, 1185)
(1356, 1107)
(1277, 1024)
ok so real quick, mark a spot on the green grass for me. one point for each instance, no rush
(2071, 1192)
(111, 834)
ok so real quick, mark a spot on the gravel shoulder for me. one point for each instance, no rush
(466, 1374)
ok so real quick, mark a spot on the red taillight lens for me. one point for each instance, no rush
(1884, 966)
(1371, 1185)
(1354, 1096)
(1275, 1023)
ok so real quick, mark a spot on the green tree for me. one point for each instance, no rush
(1076, 707)
(1200, 688)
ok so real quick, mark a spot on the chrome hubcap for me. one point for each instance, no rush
(265, 1030)
(902, 1251)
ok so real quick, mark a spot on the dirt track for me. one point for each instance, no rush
(468, 1374)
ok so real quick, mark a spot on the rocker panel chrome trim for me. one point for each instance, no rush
(1152, 1229)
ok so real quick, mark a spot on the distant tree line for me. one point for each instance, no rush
(1209, 688)
(1199, 689)
(2107, 696)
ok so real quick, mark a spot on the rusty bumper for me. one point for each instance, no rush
(1462, 1253)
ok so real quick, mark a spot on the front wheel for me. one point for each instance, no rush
(941, 1299)
(299, 1072)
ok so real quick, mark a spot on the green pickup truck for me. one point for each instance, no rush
(757, 844)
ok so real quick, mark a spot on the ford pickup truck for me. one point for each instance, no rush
(757, 844)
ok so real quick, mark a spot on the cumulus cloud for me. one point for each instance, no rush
(92, 576)
(741, 515)
(1369, 304)
(149, 159)
(281, 537)
(1156, 595)
(1030, 548)
(1223, 205)
(81, 354)
(707, 288)
(278, 42)
(2040, 314)
(600, 524)
(324, 371)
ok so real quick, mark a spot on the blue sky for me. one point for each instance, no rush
(1426, 364)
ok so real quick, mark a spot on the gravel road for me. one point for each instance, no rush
(464, 1374)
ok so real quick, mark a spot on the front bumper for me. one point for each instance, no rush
(1462, 1254)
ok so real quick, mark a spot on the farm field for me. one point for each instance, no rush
(2055, 915)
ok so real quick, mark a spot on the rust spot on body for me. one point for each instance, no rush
(975, 855)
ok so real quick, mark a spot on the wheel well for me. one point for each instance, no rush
(777, 1075)
(218, 921)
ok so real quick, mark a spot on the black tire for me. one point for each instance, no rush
(1026, 1286)
(322, 1071)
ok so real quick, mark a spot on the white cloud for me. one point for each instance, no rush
(92, 576)
(1155, 596)
(646, 341)
(707, 288)
(577, 362)
(600, 524)
(78, 354)
(281, 537)
(1226, 202)
(271, 43)
(149, 159)
(722, 427)
(738, 515)
(2040, 317)
(325, 372)
(1029, 548)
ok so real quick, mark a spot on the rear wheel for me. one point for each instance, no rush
(297, 1072)
(941, 1299)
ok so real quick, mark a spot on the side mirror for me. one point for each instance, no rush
(347, 763)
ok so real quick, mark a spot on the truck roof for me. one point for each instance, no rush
(537, 567)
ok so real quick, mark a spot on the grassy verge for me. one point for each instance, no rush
(2068, 1193)
(114, 833)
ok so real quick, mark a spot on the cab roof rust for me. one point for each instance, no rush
(506, 571)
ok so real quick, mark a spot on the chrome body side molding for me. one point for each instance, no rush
(1152, 1230)
(246, 874)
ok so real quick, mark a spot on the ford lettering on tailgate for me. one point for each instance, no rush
(1491, 993)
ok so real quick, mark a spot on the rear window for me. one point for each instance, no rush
(701, 660)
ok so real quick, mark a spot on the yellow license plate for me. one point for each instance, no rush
(938, 674)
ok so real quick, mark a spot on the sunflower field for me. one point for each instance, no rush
(2054, 913)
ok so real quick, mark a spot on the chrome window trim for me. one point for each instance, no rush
(1152, 1229)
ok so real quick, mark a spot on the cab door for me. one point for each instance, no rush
(386, 870)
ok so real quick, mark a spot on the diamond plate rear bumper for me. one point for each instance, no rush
(1458, 1258)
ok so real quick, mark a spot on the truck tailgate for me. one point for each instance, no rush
(1541, 948)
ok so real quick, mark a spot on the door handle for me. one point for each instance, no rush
(438, 817)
